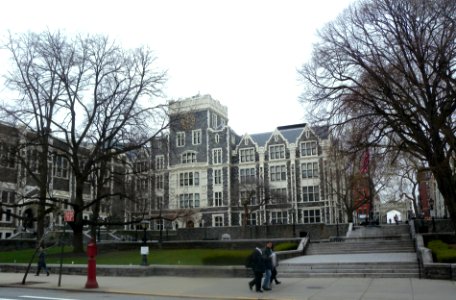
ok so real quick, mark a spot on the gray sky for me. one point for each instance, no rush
(244, 53)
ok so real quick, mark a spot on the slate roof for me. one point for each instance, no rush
(290, 132)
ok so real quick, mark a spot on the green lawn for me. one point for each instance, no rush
(133, 257)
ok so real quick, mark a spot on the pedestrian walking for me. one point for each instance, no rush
(275, 264)
(256, 262)
(42, 262)
(267, 252)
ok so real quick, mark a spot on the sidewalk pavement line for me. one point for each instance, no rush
(120, 292)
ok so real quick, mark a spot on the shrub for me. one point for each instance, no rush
(437, 245)
(228, 258)
(286, 246)
(442, 252)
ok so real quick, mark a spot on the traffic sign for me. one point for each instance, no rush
(68, 216)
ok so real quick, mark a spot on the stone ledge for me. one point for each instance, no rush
(138, 271)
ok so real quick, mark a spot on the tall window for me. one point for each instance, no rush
(217, 220)
(277, 152)
(188, 158)
(141, 166)
(33, 160)
(7, 156)
(159, 202)
(280, 194)
(279, 217)
(159, 182)
(189, 200)
(196, 137)
(8, 197)
(189, 179)
(217, 156)
(247, 175)
(278, 173)
(248, 197)
(218, 199)
(214, 120)
(142, 185)
(309, 170)
(60, 166)
(6, 215)
(251, 219)
(217, 176)
(309, 148)
(159, 162)
(311, 216)
(247, 155)
(180, 139)
(310, 193)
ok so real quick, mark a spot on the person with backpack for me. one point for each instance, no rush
(256, 262)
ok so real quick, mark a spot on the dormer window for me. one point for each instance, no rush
(276, 152)
(188, 158)
(246, 155)
(309, 148)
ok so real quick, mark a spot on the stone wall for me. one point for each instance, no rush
(262, 233)
(430, 269)
(316, 232)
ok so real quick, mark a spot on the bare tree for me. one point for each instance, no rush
(106, 102)
(255, 194)
(395, 60)
(38, 91)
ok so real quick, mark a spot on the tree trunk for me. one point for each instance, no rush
(444, 178)
(78, 245)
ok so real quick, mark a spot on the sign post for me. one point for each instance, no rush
(68, 216)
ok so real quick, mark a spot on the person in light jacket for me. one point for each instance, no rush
(275, 264)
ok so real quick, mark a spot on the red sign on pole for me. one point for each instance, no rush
(68, 216)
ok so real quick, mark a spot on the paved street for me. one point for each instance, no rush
(237, 288)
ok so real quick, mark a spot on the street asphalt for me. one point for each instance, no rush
(237, 288)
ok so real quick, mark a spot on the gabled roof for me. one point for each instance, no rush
(290, 132)
(261, 138)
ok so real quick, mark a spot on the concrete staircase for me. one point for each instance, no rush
(381, 251)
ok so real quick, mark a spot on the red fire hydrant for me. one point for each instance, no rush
(91, 266)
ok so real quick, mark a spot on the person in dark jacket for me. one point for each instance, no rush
(258, 268)
(42, 262)
(267, 256)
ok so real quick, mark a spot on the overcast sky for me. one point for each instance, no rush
(245, 53)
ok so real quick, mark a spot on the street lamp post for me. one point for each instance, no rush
(431, 213)
(292, 211)
(144, 247)
(337, 226)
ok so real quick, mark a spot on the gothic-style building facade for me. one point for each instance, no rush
(203, 174)
(199, 174)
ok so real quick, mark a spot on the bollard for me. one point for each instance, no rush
(91, 266)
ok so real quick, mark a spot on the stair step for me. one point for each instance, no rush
(363, 240)
(352, 275)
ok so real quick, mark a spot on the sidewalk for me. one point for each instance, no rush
(237, 288)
